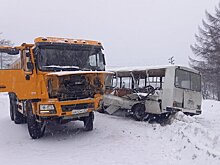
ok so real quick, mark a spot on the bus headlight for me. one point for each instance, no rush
(47, 109)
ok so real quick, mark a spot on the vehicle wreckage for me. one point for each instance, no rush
(153, 92)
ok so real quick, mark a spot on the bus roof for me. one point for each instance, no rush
(143, 70)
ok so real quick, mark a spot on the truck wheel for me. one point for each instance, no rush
(36, 128)
(138, 112)
(18, 117)
(88, 122)
(11, 111)
(15, 115)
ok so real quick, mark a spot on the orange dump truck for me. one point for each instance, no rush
(54, 79)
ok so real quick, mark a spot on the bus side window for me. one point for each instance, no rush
(126, 82)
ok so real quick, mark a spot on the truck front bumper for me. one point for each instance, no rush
(53, 107)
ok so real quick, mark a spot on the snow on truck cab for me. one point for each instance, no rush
(54, 79)
(153, 92)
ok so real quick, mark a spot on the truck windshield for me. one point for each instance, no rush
(188, 80)
(65, 58)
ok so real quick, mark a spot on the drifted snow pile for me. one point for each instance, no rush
(199, 133)
(203, 137)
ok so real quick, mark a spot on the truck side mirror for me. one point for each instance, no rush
(30, 66)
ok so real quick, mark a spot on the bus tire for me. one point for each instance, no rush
(138, 112)
(36, 128)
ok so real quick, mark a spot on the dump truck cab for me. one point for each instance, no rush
(54, 79)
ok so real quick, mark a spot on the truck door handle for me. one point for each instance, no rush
(2, 86)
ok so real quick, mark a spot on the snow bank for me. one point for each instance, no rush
(181, 117)
(198, 133)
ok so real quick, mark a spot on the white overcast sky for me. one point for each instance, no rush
(133, 32)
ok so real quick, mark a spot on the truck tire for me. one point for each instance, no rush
(15, 115)
(36, 128)
(18, 117)
(88, 122)
(11, 110)
(138, 112)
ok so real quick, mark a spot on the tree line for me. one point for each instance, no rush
(207, 54)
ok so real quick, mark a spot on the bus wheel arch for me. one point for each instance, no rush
(138, 111)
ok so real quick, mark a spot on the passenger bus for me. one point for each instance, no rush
(154, 91)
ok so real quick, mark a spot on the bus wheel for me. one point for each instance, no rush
(138, 112)
(88, 122)
(36, 128)
(164, 119)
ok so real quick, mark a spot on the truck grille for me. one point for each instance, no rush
(68, 108)
(73, 88)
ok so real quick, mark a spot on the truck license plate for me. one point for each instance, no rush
(79, 111)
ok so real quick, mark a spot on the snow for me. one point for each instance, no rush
(62, 73)
(141, 68)
(115, 140)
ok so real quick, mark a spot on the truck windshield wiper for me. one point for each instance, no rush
(61, 68)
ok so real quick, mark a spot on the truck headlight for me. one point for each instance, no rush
(47, 109)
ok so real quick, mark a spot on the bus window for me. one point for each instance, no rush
(126, 82)
(187, 80)
(142, 83)
(195, 82)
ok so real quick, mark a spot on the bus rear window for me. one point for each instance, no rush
(188, 80)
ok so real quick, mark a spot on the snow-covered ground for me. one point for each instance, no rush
(115, 141)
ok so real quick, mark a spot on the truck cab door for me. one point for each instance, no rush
(16, 77)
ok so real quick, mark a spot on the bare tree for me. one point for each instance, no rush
(207, 51)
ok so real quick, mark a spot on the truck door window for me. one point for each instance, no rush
(26, 58)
